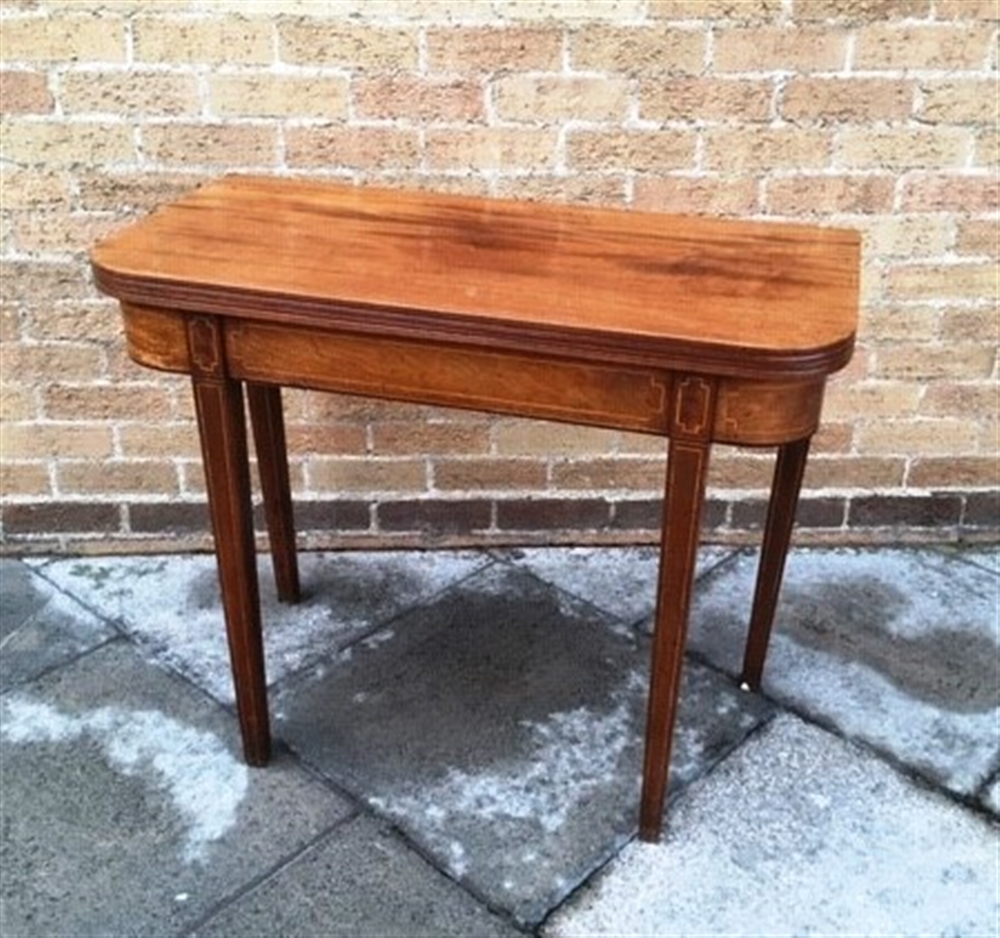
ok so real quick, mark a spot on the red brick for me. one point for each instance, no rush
(630, 474)
(228, 145)
(884, 46)
(211, 40)
(53, 143)
(345, 147)
(904, 148)
(847, 100)
(960, 101)
(859, 10)
(63, 440)
(826, 195)
(24, 479)
(967, 9)
(41, 282)
(935, 281)
(953, 472)
(743, 149)
(769, 48)
(978, 236)
(349, 45)
(491, 148)
(489, 474)
(551, 98)
(640, 151)
(23, 92)
(987, 149)
(982, 509)
(853, 472)
(487, 49)
(128, 191)
(908, 511)
(706, 99)
(543, 514)
(63, 38)
(35, 189)
(960, 193)
(26, 364)
(962, 324)
(340, 514)
(958, 399)
(925, 437)
(61, 518)
(918, 361)
(400, 438)
(97, 477)
(908, 236)
(697, 195)
(129, 93)
(590, 188)
(747, 10)
(434, 517)
(416, 98)
(114, 402)
(285, 96)
(640, 50)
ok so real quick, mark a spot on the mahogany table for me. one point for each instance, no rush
(703, 331)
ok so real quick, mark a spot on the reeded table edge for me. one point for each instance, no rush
(459, 329)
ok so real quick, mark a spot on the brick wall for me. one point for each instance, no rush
(876, 114)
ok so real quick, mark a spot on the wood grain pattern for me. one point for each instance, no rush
(684, 497)
(728, 297)
(749, 413)
(222, 429)
(766, 413)
(499, 382)
(156, 338)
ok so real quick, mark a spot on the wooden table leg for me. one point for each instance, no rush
(788, 472)
(272, 463)
(222, 428)
(687, 471)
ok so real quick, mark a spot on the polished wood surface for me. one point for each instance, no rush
(544, 385)
(701, 331)
(742, 298)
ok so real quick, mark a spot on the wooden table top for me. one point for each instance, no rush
(756, 299)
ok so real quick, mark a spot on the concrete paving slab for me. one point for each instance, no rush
(986, 556)
(799, 833)
(898, 648)
(362, 880)
(126, 809)
(19, 597)
(619, 580)
(501, 727)
(991, 796)
(40, 626)
(172, 605)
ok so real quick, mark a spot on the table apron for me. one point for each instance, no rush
(748, 411)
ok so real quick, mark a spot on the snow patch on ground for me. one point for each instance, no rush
(798, 834)
(573, 754)
(203, 780)
(172, 605)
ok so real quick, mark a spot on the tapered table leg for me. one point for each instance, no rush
(685, 495)
(788, 472)
(222, 428)
(272, 463)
